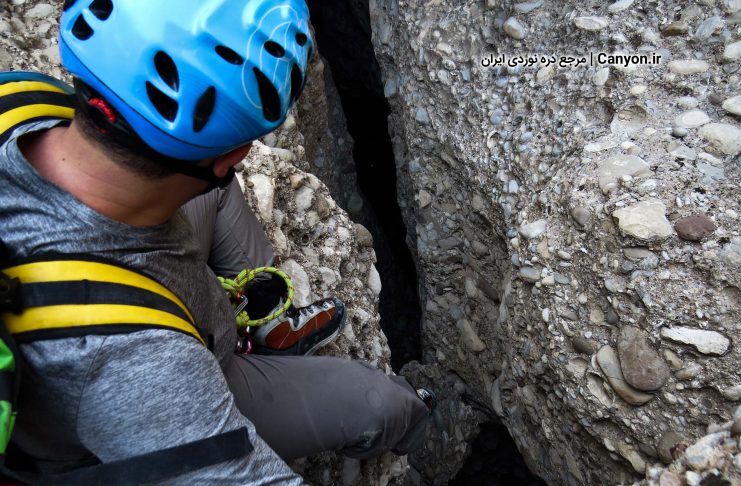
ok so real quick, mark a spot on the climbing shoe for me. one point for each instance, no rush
(300, 331)
(427, 396)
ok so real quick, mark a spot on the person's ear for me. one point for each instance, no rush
(223, 163)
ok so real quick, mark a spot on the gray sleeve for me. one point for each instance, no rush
(156, 389)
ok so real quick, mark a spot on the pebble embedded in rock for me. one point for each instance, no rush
(515, 29)
(733, 105)
(527, 7)
(732, 393)
(619, 6)
(642, 366)
(530, 274)
(582, 216)
(534, 229)
(679, 132)
(722, 136)
(688, 66)
(302, 295)
(675, 28)
(705, 453)
(363, 236)
(732, 52)
(666, 446)
(694, 227)
(469, 337)
(263, 190)
(645, 220)
(584, 345)
(374, 281)
(692, 119)
(610, 171)
(422, 116)
(705, 342)
(591, 23)
(609, 363)
(736, 428)
(707, 27)
(40, 11)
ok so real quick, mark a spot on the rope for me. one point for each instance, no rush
(235, 288)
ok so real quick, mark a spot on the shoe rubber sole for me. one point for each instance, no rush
(310, 344)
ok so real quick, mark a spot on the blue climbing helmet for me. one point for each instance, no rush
(193, 79)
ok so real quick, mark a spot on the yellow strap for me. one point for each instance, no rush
(15, 116)
(75, 316)
(22, 86)
(66, 270)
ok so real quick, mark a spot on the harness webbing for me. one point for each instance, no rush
(24, 101)
(64, 298)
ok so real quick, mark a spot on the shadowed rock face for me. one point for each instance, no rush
(548, 204)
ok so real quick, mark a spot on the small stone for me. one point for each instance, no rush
(582, 216)
(733, 105)
(302, 295)
(619, 6)
(363, 236)
(424, 198)
(583, 345)
(667, 446)
(668, 478)
(694, 227)
(609, 363)
(642, 366)
(736, 428)
(262, 188)
(688, 66)
(422, 116)
(679, 132)
(645, 220)
(591, 23)
(527, 7)
(675, 362)
(732, 393)
(705, 342)
(534, 229)
(692, 119)
(632, 456)
(675, 28)
(514, 28)
(707, 27)
(40, 11)
(722, 136)
(705, 453)
(611, 170)
(374, 281)
(689, 372)
(530, 274)
(687, 102)
(322, 207)
(469, 337)
(732, 52)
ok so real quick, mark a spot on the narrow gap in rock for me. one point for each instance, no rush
(343, 35)
(495, 461)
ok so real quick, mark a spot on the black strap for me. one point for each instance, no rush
(155, 466)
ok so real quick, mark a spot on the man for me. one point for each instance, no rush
(171, 93)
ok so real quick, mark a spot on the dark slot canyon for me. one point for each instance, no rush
(343, 35)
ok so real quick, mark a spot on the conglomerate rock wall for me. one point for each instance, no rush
(576, 225)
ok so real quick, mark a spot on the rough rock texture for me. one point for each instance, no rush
(484, 152)
(315, 241)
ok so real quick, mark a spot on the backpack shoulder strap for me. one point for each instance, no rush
(29, 97)
(66, 296)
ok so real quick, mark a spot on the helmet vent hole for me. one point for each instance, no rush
(204, 109)
(275, 49)
(165, 106)
(269, 97)
(167, 70)
(102, 9)
(229, 55)
(68, 4)
(301, 39)
(297, 81)
(81, 29)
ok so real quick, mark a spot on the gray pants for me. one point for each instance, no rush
(303, 405)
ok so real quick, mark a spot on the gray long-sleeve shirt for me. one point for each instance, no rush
(118, 396)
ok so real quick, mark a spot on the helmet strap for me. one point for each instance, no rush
(111, 124)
